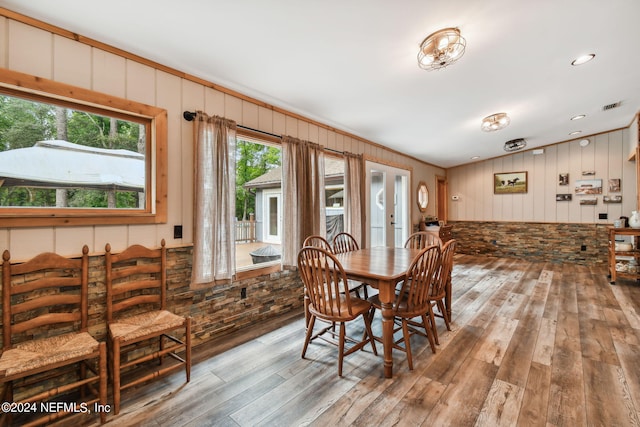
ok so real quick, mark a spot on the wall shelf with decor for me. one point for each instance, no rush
(624, 254)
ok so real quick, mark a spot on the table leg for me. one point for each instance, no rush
(387, 338)
(387, 295)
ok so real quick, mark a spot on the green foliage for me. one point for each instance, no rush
(24, 122)
(252, 160)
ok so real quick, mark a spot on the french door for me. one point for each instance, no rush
(273, 218)
(387, 199)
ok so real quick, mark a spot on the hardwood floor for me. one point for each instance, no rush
(533, 344)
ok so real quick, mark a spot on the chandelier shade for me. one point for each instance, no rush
(495, 122)
(441, 49)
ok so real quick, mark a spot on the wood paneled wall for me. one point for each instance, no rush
(607, 155)
(55, 54)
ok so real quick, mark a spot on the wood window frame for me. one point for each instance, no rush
(26, 86)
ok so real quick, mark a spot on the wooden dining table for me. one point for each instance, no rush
(382, 268)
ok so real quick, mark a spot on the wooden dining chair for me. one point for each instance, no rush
(318, 242)
(136, 315)
(412, 300)
(439, 289)
(323, 277)
(46, 344)
(345, 242)
(422, 239)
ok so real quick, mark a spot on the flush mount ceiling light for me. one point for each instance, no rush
(515, 144)
(441, 49)
(495, 122)
(583, 59)
(584, 143)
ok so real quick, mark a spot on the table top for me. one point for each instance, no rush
(380, 263)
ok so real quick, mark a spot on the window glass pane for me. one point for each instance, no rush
(58, 157)
(334, 195)
(274, 215)
(258, 204)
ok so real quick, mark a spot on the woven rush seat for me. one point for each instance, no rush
(150, 323)
(47, 352)
(33, 355)
(136, 279)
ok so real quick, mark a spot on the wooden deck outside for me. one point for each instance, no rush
(243, 252)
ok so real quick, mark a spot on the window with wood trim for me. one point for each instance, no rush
(71, 156)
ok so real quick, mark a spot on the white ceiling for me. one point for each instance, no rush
(351, 64)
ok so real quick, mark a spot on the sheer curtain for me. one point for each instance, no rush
(354, 197)
(304, 197)
(215, 175)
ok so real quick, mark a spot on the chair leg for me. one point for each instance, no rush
(116, 376)
(312, 321)
(429, 329)
(307, 316)
(407, 343)
(102, 372)
(187, 341)
(445, 315)
(341, 347)
(369, 332)
(429, 325)
(434, 327)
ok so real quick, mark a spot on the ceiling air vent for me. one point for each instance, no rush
(611, 106)
(515, 145)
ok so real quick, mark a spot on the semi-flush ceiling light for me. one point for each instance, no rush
(495, 122)
(578, 117)
(515, 145)
(441, 49)
(582, 59)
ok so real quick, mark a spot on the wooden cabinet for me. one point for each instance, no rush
(624, 263)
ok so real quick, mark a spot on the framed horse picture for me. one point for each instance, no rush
(509, 182)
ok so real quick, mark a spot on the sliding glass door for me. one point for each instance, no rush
(387, 205)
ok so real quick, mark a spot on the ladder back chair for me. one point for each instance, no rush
(323, 277)
(345, 242)
(412, 300)
(46, 344)
(422, 239)
(136, 314)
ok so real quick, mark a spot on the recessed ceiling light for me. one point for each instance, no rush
(575, 132)
(583, 59)
(475, 157)
(578, 117)
(584, 143)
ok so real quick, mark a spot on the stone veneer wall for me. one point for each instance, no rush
(217, 310)
(551, 242)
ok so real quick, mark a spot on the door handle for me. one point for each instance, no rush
(393, 223)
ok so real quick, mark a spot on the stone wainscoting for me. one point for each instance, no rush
(584, 244)
(216, 310)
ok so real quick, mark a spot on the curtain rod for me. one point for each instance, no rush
(191, 115)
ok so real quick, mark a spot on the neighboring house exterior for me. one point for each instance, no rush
(268, 191)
